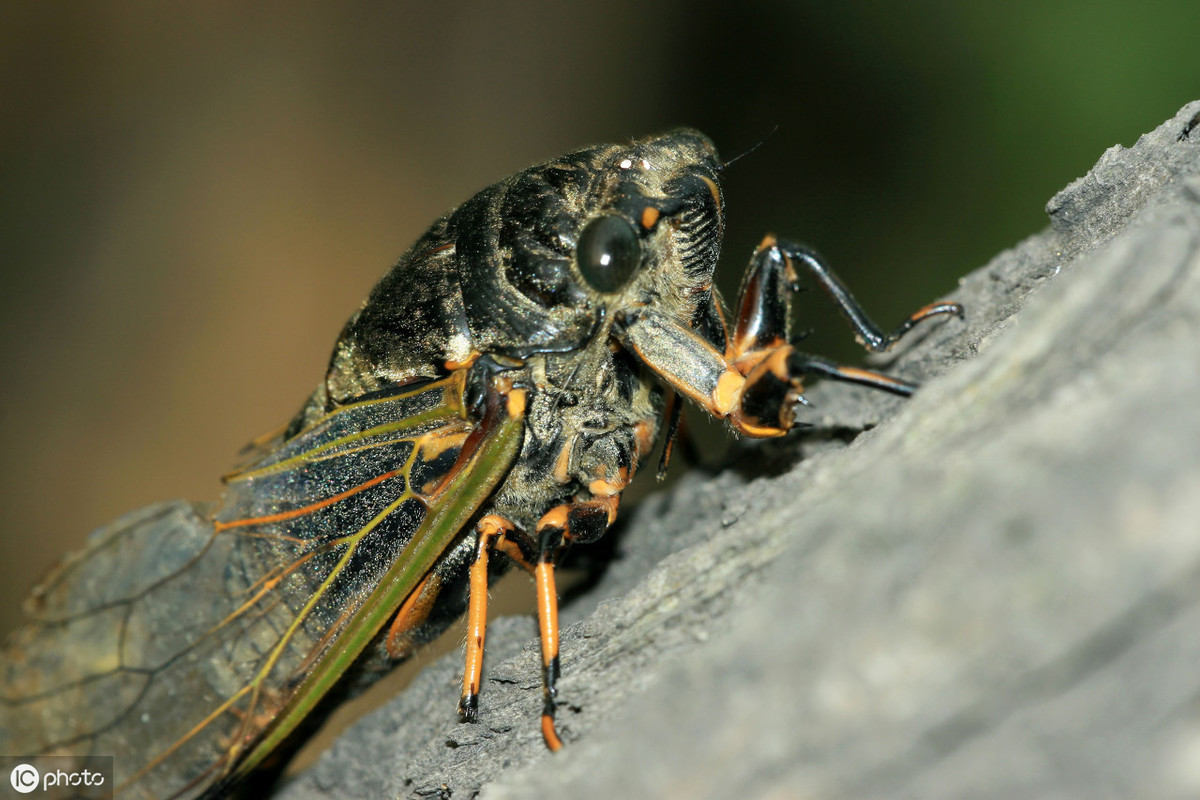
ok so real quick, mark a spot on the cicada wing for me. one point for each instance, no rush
(177, 637)
(75, 676)
(482, 461)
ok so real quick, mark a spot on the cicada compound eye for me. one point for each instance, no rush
(608, 252)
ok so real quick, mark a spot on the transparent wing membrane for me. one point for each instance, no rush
(181, 631)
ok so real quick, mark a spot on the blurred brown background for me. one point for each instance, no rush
(193, 199)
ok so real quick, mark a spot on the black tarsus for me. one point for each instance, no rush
(805, 364)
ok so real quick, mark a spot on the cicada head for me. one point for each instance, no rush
(552, 255)
(667, 211)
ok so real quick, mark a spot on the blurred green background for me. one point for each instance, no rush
(194, 198)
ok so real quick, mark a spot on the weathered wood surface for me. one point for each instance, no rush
(992, 592)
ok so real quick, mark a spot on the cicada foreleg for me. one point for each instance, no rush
(868, 334)
(758, 381)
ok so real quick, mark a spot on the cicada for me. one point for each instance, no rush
(485, 407)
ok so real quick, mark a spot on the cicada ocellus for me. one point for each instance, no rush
(486, 406)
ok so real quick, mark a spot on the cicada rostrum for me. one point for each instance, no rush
(486, 406)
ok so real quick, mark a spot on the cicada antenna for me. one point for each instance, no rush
(753, 147)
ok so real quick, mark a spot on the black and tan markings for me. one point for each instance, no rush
(486, 406)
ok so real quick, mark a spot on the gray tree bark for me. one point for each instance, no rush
(990, 590)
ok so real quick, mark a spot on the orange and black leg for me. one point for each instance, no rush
(758, 381)
(415, 610)
(491, 528)
(797, 257)
(550, 543)
(583, 521)
(764, 310)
